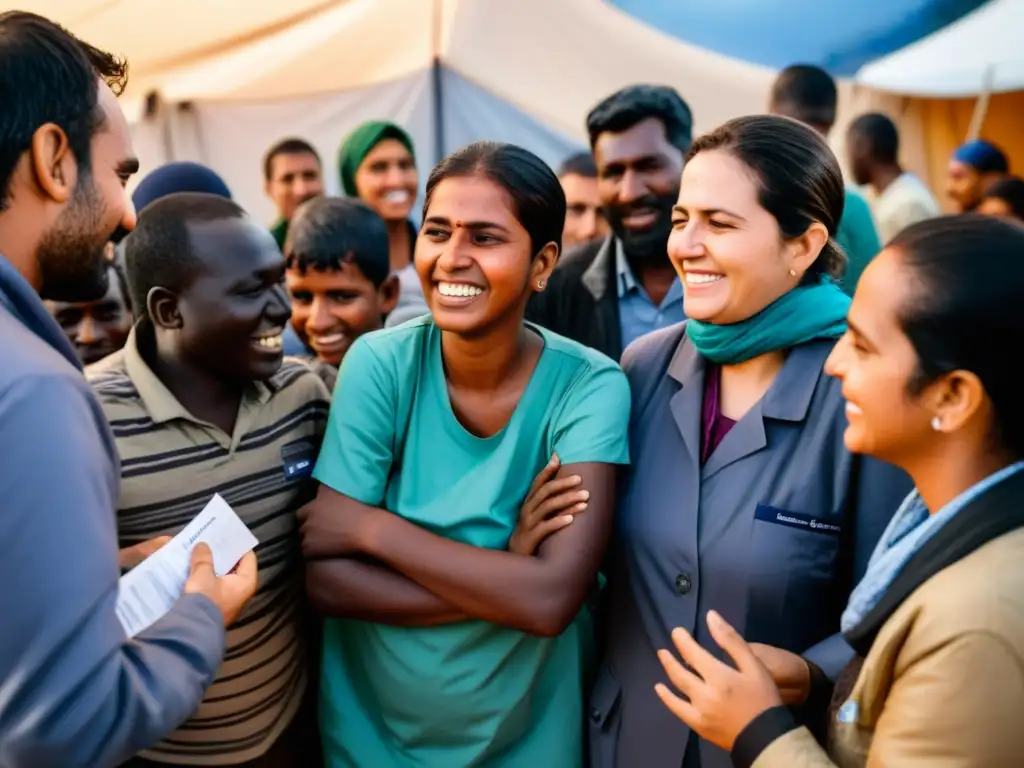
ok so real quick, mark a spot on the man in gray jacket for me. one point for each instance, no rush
(74, 691)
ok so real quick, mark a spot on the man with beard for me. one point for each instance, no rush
(73, 690)
(608, 293)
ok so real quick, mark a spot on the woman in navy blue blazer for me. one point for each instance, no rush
(742, 497)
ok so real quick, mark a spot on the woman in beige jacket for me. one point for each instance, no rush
(930, 374)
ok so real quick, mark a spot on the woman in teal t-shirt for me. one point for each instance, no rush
(446, 649)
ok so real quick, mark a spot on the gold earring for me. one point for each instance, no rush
(541, 283)
(792, 273)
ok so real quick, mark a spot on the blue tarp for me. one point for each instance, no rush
(839, 36)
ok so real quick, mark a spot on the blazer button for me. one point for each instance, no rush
(683, 584)
(595, 715)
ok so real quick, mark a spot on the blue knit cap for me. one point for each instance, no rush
(982, 157)
(178, 177)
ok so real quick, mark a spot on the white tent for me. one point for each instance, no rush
(234, 76)
(982, 52)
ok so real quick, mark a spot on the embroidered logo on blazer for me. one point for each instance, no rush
(769, 514)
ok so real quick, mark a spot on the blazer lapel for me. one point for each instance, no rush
(745, 438)
(787, 399)
(687, 368)
(599, 281)
(597, 278)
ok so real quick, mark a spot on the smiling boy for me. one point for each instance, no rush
(200, 403)
(339, 277)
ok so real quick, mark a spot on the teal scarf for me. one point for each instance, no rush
(798, 316)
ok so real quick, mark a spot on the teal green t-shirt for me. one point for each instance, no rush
(858, 237)
(470, 693)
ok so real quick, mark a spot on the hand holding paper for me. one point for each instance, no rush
(230, 592)
(151, 589)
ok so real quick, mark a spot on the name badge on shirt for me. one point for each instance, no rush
(769, 514)
(298, 459)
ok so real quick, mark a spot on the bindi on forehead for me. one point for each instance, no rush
(459, 224)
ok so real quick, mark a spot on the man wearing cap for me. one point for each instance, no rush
(973, 167)
(169, 179)
(608, 293)
(172, 178)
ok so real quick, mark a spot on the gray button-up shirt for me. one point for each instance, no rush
(638, 315)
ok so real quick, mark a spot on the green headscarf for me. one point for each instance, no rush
(358, 144)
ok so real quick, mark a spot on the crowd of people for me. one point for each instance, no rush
(688, 453)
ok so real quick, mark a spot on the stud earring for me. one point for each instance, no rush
(792, 273)
(936, 423)
(541, 283)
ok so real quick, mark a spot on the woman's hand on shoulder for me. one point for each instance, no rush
(551, 504)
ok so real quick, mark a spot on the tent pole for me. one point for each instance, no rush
(981, 105)
(156, 111)
(439, 143)
(436, 84)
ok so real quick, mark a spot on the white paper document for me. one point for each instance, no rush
(149, 590)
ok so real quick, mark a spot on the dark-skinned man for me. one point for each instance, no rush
(809, 94)
(607, 294)
(201, 403)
